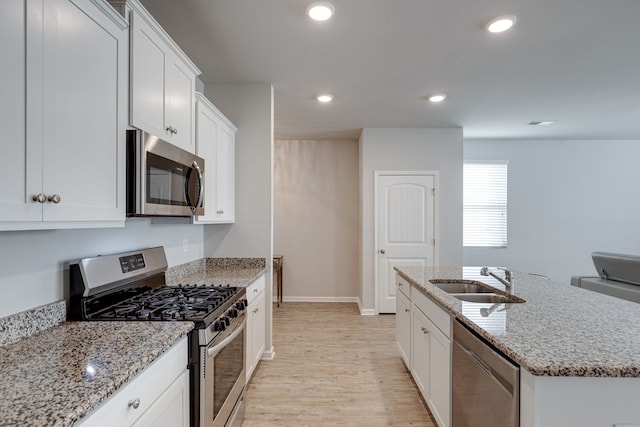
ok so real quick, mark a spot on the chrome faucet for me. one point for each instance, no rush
(509, 277)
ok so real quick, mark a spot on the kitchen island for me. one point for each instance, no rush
(579, 351)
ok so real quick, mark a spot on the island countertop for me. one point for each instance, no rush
(560, 330)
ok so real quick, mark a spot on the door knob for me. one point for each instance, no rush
(382, 251)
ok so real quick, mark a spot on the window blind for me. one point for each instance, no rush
(485, 204)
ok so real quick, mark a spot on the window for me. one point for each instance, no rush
(485, 204)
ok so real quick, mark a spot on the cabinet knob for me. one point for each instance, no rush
(134, 403)
(172, 130)
(220, 212)
(406, 310)
(40, 198)
(54, 198)
(256, 310)
(382, 251)
(424, 330)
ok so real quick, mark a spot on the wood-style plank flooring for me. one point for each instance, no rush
(333, 367)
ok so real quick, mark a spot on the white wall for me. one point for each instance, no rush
(411, 149)
(250, 108)
(33, 263)
(316, 218)
(566, 199)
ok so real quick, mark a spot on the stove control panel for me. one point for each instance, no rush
(132, 263)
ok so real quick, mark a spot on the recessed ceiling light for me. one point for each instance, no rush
(500, 24)
(439, 97)
(325, 97)
(542, 123)
(320, 10)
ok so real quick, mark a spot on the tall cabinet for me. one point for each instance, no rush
(63, 100)
(215, 143)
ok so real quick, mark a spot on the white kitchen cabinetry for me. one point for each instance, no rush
(256, 320)
(162, 80)
(430, 333)
(63, 114)
(215, 143)
(403, 321)
(158, 396)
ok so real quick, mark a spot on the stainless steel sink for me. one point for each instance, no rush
(460, 286)
(489, 298)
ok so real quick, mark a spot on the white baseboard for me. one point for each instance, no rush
(366, 311)
(319, 299)
(363, 311)
(268, 354)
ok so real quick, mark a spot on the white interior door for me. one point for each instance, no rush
(406, 229)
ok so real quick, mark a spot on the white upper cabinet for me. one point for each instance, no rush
(162, 81)
(215, 143)
(63, 101)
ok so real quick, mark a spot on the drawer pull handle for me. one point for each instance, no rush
(406, 310)
(134, 403)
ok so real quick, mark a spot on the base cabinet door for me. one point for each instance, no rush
(172, 407)
(439, 376)
(421, 353)
(403, 327)
(256, 319)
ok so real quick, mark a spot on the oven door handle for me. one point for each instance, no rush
(219, 346)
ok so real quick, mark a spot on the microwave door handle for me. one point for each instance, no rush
(201, 179)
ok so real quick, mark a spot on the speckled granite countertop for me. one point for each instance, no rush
(560, 330)
(57, 376)
(217, 272)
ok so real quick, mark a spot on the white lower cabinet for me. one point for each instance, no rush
(256, 320)
(403, 327)
(158, 396)
(428, 332)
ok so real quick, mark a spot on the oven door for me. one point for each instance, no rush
(163, 180)
(222, 385)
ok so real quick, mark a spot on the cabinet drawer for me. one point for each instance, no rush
(254, 289)
(439, 317)
(146, 386)
(403, 286)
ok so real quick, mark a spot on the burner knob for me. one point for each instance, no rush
(226, 321)
(240, 305)
(233, 313)
(219, 325)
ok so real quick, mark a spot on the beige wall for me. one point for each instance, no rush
(316, 218)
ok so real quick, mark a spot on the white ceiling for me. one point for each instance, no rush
(574, 61)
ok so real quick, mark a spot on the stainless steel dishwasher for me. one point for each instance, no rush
(486, 386)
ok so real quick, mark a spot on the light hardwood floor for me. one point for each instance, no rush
(333, 367)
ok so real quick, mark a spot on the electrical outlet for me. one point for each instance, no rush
(185, 245)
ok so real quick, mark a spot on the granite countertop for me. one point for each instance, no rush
(53, 373)
(239, 272)
(560, 330)
(57, 376)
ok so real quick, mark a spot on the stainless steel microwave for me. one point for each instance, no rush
(162, 179)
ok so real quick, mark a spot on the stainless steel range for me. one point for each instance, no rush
(131, 286)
